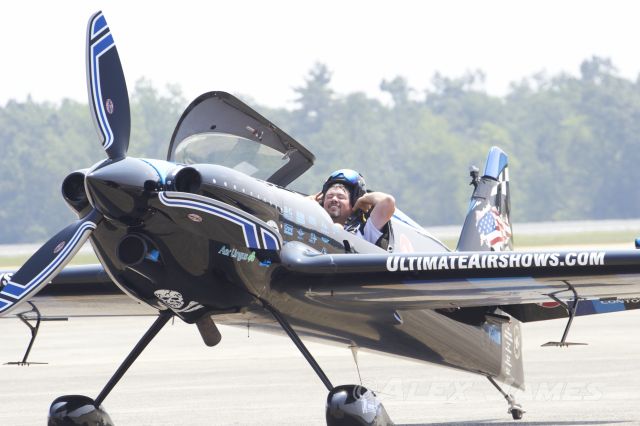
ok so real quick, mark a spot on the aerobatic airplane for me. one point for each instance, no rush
(212, 236)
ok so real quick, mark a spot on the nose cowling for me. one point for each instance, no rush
(120, 189)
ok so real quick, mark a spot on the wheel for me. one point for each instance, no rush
(516, 413)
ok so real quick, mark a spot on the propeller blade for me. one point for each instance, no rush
(46, 263)
(108, 96)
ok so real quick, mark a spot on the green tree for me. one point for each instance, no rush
(572, 142)
(314, 100)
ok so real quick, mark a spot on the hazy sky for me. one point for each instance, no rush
(265, 48)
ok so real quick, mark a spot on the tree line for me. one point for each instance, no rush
(572, 143)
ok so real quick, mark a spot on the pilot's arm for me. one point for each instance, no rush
(381, 205)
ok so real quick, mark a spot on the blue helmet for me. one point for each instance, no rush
(351, 179)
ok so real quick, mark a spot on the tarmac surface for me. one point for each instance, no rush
(263, 379)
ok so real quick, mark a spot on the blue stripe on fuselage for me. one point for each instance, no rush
(249, 228)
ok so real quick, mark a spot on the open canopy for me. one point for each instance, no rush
(218, 128)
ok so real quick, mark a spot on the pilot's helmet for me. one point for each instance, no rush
(351, 179)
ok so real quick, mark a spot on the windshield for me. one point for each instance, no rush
(235, 152)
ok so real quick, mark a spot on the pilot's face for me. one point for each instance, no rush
(337, 204)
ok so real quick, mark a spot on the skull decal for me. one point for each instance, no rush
(171, 298)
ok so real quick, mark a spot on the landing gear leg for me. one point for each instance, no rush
(296, 340)
(515, 409)
(82, 410)
(347, 404)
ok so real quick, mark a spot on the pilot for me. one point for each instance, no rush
(343, 196)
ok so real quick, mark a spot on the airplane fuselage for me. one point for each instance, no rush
(217, 252)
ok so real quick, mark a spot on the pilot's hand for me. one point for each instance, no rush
(366, 202)
(379, 205)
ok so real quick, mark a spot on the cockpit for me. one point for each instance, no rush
(219, 129)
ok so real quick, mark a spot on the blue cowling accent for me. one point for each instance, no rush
(161, 167)
(497, 161)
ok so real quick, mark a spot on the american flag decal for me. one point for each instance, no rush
(494, 230)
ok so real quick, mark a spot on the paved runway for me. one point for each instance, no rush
(262, 379)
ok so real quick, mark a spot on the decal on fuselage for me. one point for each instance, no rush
(237, 255)
(252, 238)
(511, 351)
(493, 261)
(175, 301)
(493, 228)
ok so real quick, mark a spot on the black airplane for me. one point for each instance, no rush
(212, 236)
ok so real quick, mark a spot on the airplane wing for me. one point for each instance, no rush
(520, 282)
(82, 291)
(461, 279)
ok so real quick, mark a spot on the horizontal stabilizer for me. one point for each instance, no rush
(529, 312)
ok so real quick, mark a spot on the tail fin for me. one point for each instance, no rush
(487, 226)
